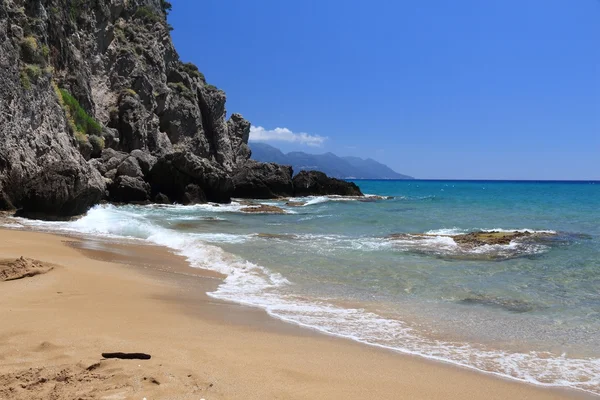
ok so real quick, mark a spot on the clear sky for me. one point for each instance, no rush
(465, 89)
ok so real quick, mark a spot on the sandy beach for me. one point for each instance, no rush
(96, 297)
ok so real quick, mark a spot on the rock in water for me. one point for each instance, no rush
(476, 239)
(62, 190)
(256, 180)
(314, 183)
(127, 189)
(262, 209)
(173, 174)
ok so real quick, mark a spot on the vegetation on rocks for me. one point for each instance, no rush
(193, 71)
(117, 59)
(83, 122)
(29, 49)
(147, 14)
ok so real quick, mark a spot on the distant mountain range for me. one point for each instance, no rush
(329, 163)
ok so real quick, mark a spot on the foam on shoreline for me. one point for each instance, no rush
(254, 285)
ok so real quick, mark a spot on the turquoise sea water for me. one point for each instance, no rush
(529, 310)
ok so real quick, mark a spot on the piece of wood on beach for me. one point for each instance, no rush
(128, 356)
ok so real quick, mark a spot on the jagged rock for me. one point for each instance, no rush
(97, 164)
(263, 181)
(127, 189)
(314, 183)
(110, 159)
(122, 68)
(111, 175)
(173, 173)
(239, 133)
(62, 189)
(130, 167)
(145, 160)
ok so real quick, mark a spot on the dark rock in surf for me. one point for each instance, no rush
(62, 190)
(173, 174)
(128, 189)
(315, 183)
(256, 180)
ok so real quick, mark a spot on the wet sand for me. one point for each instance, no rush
(105, 297)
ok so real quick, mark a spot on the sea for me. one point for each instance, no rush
(384, 270)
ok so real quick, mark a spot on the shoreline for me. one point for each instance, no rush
(317, 365)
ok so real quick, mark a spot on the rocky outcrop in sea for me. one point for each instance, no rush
(97, 105)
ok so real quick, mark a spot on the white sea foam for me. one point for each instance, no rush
(12, 225)
(317, 200)
(255, 285)
(221, 237)
(446, 231)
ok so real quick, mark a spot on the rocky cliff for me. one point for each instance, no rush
(96, 104)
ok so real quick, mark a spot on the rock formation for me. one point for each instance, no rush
(317, 183)
(263, 181)
(96, 104)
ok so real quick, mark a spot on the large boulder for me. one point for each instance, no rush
(173, 174)
(128, 189)
(257, 180)
(315, 183)
(130, 167)
(62, 189)
(145, 160)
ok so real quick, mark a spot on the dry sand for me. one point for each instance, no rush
(123, 298)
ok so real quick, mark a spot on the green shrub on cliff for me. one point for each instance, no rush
(147, 14)
(29, 48)
(83, 122)
(32, 52)
(97, 143)
(25, 81)
(29, 73)
(193, 71)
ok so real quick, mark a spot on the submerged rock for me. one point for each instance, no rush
(263, 209)
(295, 203)
(283, 236)
(477, 245)
(475, 239)
(512, 305)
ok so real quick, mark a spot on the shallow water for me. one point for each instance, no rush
(528, 310)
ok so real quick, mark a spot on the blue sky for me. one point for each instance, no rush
(466, 89)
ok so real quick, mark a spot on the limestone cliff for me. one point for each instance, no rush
(95, 104)
(79, 76)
